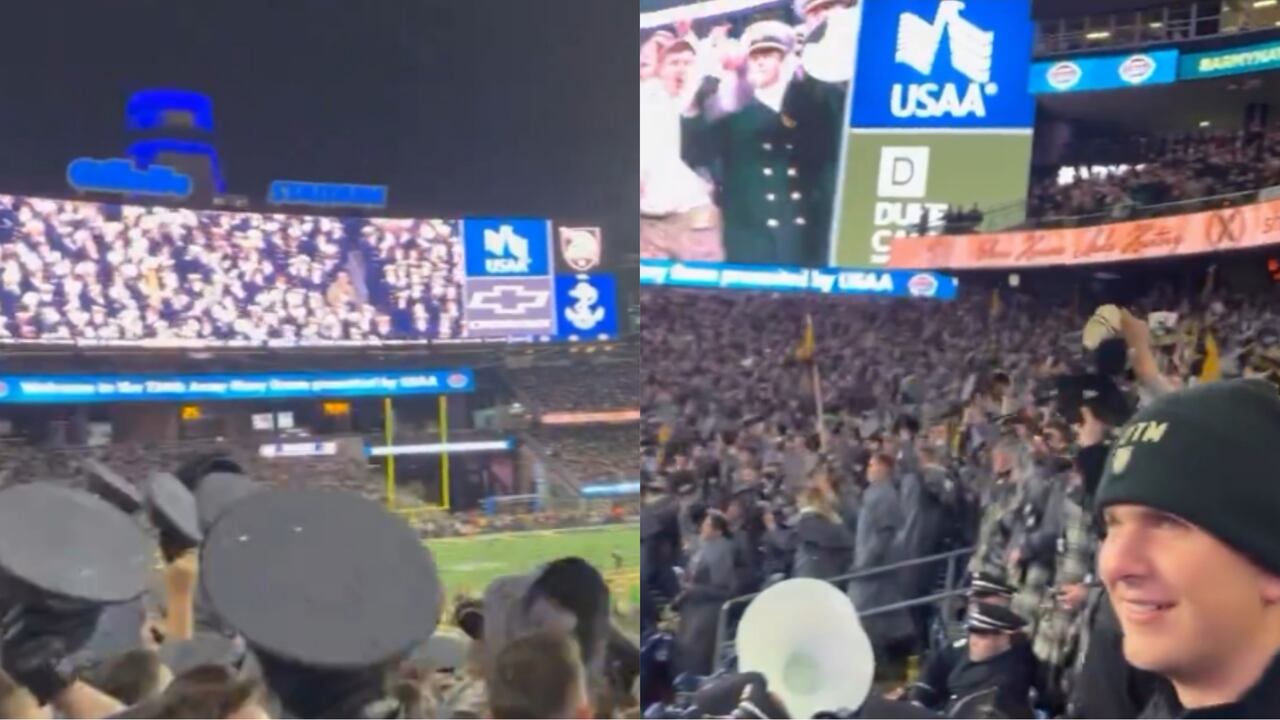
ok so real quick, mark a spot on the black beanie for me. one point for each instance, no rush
(1206, 455)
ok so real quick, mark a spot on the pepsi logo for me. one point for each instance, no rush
(1064, 75)
(922, 285)
(456, 380)
(1137, 69)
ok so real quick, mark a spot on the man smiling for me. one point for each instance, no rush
(1191, 554)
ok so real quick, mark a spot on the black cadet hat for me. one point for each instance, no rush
(216, 492)
(984, 583)
(986, 617)
(70, 544)
(110, 486)
(193, 470)
(173, 506)
(323, 578)
(1205, 454)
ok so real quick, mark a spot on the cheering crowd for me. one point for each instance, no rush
(87, 271)
(279, 602)
(1159, 170)
(984, 424)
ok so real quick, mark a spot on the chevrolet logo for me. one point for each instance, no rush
(510, 299)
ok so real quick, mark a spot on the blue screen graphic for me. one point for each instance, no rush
(890, 283)
(944, 64)
(587, 306)
(40, 389)
(507, 248)
(1108, 72)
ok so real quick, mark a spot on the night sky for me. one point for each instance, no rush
(462, 107)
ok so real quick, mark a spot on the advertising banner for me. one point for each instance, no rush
(1106, 72)
(1233, 61)
(507, 247)
(826, 282)
(1212, 231)
(49, 389)
(743, 107)
(945, 64)
(894, 180)
(588, 306)
(509, 307)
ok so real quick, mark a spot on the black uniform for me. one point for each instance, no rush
(950, 677)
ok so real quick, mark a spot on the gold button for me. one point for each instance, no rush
(791, 172)
(767, 146)
(795, 196)
(770, 197)
(799, 221)
(771, 222)
(768, 172)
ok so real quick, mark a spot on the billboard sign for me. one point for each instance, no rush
(509, 307)
(924, 285)
(1232, 61)
(945, 64)
(53, 389)
(1108, 72)
(1232, 228)
(898, 184)
(507, 247)
(119, 175)
(588, 306)
(295, 192)
(581, 248)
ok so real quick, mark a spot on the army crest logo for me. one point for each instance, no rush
(581, 248)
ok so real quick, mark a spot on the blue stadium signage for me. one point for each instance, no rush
(120, 175)
(296, 192)
(50, 389)
(833, 281)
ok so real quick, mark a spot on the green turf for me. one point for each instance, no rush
(468, 564)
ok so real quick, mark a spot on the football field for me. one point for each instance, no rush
(468, 564)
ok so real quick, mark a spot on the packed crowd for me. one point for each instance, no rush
(88, 271)
(365, 636)
(1162, 170)
(975, 424)
(565, 388)
(588, 453)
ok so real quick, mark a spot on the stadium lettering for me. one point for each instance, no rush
(1233, 61)
(931, 100)
(988, 248)
(1040, 246)
(506, 266)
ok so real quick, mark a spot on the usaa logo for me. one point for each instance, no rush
(971, 52)
(456, 380)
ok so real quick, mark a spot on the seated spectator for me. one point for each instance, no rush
(539, 676)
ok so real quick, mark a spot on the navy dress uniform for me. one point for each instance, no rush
(952, 679)
(776, 169)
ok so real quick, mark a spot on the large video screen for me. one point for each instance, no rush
(742, 109)
(793, 134)
(101, 274)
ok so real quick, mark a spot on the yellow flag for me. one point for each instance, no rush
(808, 344)
(1211, 369)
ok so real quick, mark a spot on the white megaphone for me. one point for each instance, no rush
(804, 636)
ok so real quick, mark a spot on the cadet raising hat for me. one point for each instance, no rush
(71, 544)
(173, 505)
(323, 578)
(994, 618)
(1205, 454)
(218, 491)
(769, 35)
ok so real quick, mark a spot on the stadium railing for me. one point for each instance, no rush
(953, 586)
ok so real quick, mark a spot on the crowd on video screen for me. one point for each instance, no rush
(78, 271)
(740, 132)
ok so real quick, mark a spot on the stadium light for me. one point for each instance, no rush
(456, 448)
(1104, 34)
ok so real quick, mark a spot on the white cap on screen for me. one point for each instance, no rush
(804, 636)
